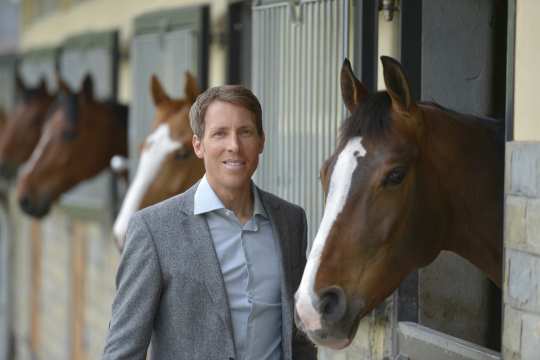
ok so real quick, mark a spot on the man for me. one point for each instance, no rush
(210, 274)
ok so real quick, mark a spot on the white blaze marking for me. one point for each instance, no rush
(340, 184)
(157, 146)
(37, 153)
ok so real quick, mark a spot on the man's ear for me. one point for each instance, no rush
(197, 146)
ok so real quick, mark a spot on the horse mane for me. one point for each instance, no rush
(497, 126)
(372, 119)
(29, 94)
(70, 103)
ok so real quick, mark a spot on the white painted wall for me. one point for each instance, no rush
(527, 72)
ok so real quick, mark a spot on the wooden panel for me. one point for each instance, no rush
(78, 256)
(36, 283)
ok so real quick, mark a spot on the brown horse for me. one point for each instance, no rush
(406, 181)
(168, 165)
(23, 126)
(80, 136)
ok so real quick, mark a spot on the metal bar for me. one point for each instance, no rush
(411, 44)
(365, 49)
(419, 342)
(510, 70)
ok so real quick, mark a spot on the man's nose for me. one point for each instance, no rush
(233, 143)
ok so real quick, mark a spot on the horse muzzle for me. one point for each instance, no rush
(338, 318)
(34, 207)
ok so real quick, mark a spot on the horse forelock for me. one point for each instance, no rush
(371, 119)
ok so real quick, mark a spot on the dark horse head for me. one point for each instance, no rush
(79, 138)
(406, 181)
(23, 126)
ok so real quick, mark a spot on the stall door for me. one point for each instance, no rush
(457, 58)
(95, 54)
(297, 53)
(166, 43)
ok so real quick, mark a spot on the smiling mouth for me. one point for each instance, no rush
(234, 164)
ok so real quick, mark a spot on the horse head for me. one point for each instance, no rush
(80, 136)
(23, 126)
(393, 188)
(167, 165)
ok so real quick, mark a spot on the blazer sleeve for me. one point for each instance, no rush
(138, 283)
(302, 347)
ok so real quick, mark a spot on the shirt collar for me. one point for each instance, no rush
(206, 200)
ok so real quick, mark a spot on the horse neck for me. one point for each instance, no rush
(467, 160)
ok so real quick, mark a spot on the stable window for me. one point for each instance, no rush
(38, 64)
(166, 43)
(7, 81)
(455, 55)
(95, 54)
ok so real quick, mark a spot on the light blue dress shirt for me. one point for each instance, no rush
(249, 259)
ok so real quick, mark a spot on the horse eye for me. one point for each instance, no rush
(395, 176)
(181, 155)
(69, 135)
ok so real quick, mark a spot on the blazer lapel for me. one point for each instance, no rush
(279, 226)
(205, 255)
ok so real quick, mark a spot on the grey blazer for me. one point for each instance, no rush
(170, 289)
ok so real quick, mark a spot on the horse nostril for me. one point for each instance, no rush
(25, 203)
(332, 304)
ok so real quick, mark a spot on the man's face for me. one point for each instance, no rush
(230, 146)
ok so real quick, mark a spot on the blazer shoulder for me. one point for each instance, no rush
(176, 206)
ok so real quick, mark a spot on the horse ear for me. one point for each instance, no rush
(353, 91)
(158, 93)
(191, 89)
(87, 87)
(397, 85)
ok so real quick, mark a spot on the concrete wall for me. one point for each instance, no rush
(521, 323)
(521, 333)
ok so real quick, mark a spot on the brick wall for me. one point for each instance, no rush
(521, 332)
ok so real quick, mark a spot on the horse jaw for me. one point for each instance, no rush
(157, 146)
(340, 183)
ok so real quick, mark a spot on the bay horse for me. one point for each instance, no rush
(80, 136)
(407, 180)
(23, 126)
(167, 165)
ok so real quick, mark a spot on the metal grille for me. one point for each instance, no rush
(5, 281)
(166, 44)
(39, 64)
(7, 82)
(168, 56)
(94, 54)
(296, 64)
